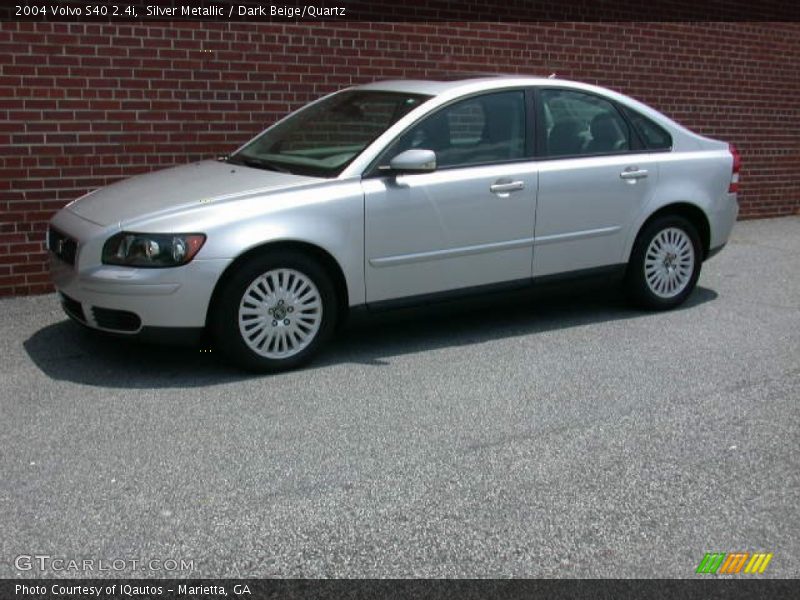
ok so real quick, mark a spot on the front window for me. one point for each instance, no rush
(481, 130)
(322, 139)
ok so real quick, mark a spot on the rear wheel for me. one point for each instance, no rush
(275, 312)
(665, 263)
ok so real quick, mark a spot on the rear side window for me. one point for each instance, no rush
(579, 124)
(653, 135)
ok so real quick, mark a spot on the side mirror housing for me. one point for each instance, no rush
(415, 160)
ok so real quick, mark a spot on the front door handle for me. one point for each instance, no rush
(502, 187)
(633, 173)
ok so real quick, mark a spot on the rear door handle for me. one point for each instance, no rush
(502, 187)
(633, 173)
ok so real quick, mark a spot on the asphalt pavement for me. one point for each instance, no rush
(515, 436)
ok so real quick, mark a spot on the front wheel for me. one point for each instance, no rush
(665, 263)
(275, 312)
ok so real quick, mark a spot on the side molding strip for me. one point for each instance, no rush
(576, 235)
(402, 259)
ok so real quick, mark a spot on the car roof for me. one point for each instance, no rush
(437, 87)
(447, 90)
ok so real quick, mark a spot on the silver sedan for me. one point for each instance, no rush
(392, 192)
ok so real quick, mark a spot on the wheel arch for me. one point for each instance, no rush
(689, 211)
(317, 253)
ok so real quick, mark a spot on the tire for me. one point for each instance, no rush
(275, 312)
(665, 263)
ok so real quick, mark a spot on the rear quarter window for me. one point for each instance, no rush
(653, 135)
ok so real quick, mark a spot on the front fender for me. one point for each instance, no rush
(329, 215)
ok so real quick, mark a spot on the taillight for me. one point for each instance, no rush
(737, 165)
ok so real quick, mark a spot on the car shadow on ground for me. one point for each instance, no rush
(66, 351)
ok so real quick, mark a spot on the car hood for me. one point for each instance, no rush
(185, 186)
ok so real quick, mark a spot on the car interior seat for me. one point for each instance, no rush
(565, 138)
(606, 136)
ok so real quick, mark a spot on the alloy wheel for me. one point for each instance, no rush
(280, 313)
(669, 262)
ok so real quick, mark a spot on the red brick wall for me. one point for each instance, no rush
(84, 104)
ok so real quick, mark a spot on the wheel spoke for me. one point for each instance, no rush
(295, 338)
(258, 340)
(310, 303)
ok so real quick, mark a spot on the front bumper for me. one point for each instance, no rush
(125, 300)
(128, 300)
(136, 331)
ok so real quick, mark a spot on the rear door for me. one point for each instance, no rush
(594, 177)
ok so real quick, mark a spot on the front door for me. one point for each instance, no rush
(467, 224)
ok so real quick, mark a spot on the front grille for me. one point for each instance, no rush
(63, 246)
(73, 308)
(118, 320)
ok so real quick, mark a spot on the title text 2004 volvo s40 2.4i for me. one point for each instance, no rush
(390, 192)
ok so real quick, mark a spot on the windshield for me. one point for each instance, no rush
(322, 139)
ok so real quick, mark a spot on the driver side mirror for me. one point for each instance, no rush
(415, 160)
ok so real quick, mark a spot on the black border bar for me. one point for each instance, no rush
(404, 10)
(406, 589)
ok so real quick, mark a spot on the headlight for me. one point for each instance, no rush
(152, 249)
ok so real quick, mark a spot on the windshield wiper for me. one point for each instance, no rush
(257, 163)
